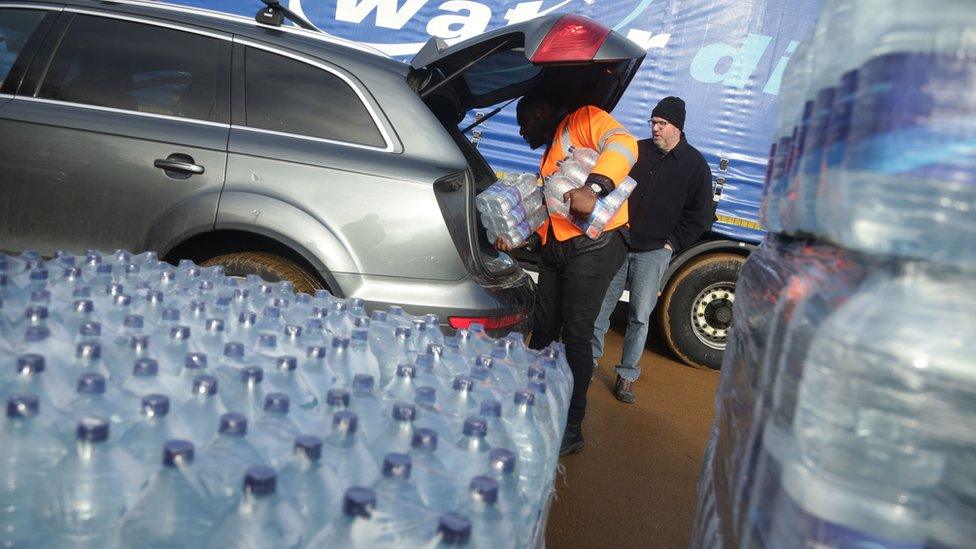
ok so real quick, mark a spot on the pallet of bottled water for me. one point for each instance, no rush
(847, 398)
(150, 405)
(512, 208)
(571, 174)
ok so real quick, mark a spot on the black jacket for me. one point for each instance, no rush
(672, 202)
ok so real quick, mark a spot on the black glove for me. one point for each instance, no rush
(604, 182)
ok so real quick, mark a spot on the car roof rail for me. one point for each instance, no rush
(274, 14)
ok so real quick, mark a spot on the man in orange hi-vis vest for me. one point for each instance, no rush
(575, 271)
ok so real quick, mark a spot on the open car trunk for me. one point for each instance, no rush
(574, 59)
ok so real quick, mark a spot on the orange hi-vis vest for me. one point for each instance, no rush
(592, 128)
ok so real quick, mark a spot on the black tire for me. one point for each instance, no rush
(707, 284)
(270, 267)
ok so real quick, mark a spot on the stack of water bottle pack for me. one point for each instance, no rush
(512, 208)
(848, 391)
(572, 173)
(150, 405)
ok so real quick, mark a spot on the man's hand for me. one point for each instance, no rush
(503, 246)
(581, 202)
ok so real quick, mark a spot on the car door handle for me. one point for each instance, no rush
(179, 163)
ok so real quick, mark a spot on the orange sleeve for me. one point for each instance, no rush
(595, 128)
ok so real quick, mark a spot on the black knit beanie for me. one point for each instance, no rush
(671, 109)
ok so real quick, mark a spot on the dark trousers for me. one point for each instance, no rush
(568, 298)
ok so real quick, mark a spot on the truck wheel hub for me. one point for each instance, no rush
(711, 314)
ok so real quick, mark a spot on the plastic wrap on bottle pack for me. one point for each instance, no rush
(156, 368)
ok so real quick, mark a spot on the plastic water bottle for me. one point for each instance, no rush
(501, 371)
(397, 435)
(498, 436)
(437, 486)
(340, 360)
(262, 517)
(314, 490)
(91, 400)
(28, 456)
(545, 411)
(405, 519)
(573, 170)
(29, 374)
(472, 448)
(246, 330)
(452, 360)
(489, 527)
(245, 391)
(397, 351)
(356, 527)
(345, 452)
(339, 321)
(89, 490)
(429, 372)
(453, 530)
(284, 378)
(335, 400)
(224, 461)
(430, 414)
(173, 509)
(275, 430)
(172, 357)
(146, 437)
(530, 444)
(460, 402)
(201, 413)
(401, 387)
(369, 408)
(502, 466)
(316, 373)
(361, 357)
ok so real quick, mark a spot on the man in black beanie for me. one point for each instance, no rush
(669, 209)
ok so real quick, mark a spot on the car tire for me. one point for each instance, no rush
(270, 267)
(707, 287)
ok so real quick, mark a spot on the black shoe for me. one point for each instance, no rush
(623, 390)
(572, 440)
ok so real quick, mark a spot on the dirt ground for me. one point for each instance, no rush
(634, 483)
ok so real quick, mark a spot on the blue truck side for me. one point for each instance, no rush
(725, 58)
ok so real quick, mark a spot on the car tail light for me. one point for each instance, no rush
(489, 322)
(572, 39)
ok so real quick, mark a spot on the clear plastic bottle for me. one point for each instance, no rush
(430, 414)
(574, 171)
(30, 375)
(262, 518)
(498, 436)
(502, 466)
(201, 413)
(460, 402)
(285, 378)
(314, 490)
(472, 448)
(275, 431)
(367, 405)
(227, 457)
(437, 486)
(453, 530)
(530, 443)
(356, 526)
(403, 520)
(340, 360)
(91, 400)
(489, 527)
(147, 435)
(397, 435)
(346, 454)
(362, 359)
(402, 386)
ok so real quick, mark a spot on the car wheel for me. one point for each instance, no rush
(697, 309)
(270, 267)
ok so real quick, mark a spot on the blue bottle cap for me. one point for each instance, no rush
(484, 488)
(463, 383)
(30, 363)
(82, 292)
(315, 351)
(122, 300)
(303, 299)
(133, 321)
(502, 460)
(37, 333)
(360, 335)
(248, 318)
(485, 361)
(271, 312)
(425, 439)
(268, 341)
(40, 296)
(432, 319)
(205, 385)
(362, 382)
(139, 341)
(265, 289)
(404, 412)
(215, 325)
(435, 349)
(537, 373)
(234, 349)
(337, 397)
(356, 302)
(320, 312)
(406, 370)
(452, 342)
(338, 307)
(420, 326)
(525, 396)
(177, 453)
(402, 332)
(500, 349)
(205, 286)
(276, 403)
(378, 316)
(359, 502)
(88, 350)
(252, 374)
(480, 373)
(286, 362)
(122, 256)
(23, 405)
(155, 405)
(145, 367)
(314, 324)
(454, 528)
(195, 361)
(90, 329)
(260, 480)
(551, 353)
(424, 361)
(395, 310)
(475, 426)
(223, 302)
(425, 395)
(309, 446)
(537, 386)
(476, 328)
(92, 429)
(179, 332)
(346, 421)
(36, 313)
(39, 274)
(280, 303)
(397, 465)
(72, 273)
(233, 424)
(491, 408)
(322, 294)
(241, 294)
(171, 315)
(292, 331)
(83, 306)
(198, 307)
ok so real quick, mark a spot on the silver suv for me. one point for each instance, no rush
(275, 150)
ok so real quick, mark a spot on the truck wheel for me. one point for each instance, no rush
(696, 311)
(270, 267)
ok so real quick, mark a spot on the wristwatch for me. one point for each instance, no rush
(596, 189)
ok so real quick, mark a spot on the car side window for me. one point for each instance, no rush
(286, 95)
(137, 67)
(16, 26)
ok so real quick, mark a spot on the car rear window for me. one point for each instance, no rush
(138, 67)
(16, 26)
(286, 95)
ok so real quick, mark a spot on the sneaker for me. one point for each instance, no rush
(623, 390)
(572, 440)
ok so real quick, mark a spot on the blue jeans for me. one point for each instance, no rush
(642, 272)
